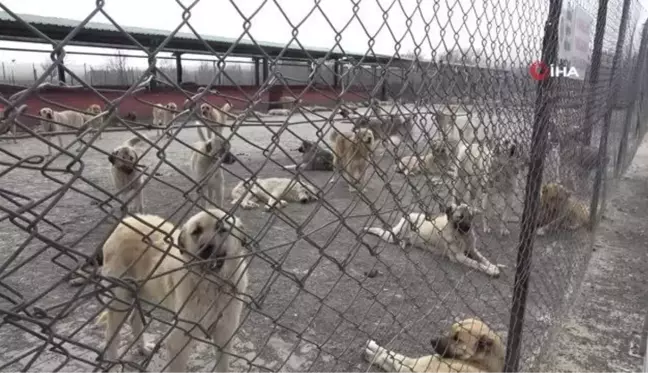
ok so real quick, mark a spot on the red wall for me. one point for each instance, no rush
(82, 98)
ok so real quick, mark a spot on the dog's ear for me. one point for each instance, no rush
(449, 208)
(112, 157)
(484, 344)
(181, 240)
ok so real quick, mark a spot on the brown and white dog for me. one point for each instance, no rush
(469, 346)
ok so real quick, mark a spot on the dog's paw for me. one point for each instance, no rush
(371, 349)
(493, 271)
(541, 231)
(487, 229)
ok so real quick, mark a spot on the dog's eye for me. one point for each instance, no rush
(197, 231)
(455, 337)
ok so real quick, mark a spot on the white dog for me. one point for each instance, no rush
(126, 178)
(163, 115)
(449, 234)
(483, 174)
(154, 254)
(54, 121)
(274, 192)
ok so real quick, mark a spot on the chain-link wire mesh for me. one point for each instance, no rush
(297, 202)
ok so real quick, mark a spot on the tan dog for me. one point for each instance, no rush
(54, 121)
(218, 118)
(126, 177)
(351, 152)
(559, 210)
(94, 110)
(449, 234)
(469, 346)
(207, 293)
(166, 116)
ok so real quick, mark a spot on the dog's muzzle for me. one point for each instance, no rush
(218, 263)
(463, 227)
(228, 158)
(442, 347)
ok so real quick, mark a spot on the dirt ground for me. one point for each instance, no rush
(605, 329)
(315, 306)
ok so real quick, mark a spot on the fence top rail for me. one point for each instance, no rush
(98, 34)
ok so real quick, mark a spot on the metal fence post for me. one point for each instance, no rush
(632, 107)
(60, 68)
(543, 105)
(590, 104)
(602, 166)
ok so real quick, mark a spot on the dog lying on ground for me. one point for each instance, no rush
(126, 177)
(216, 119)
(485, 172)
(54, 121)
(439, 160)
(351, 152)
(559, 210)
(208, 294)
(469, 346)
(450, 234)
(203, 165)
(314, 158)
(274, 192)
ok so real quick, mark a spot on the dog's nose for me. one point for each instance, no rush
(206, 252)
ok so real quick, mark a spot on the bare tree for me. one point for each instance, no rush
(117, 64)
(44, 66)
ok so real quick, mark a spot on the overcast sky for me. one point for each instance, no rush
(506, 29)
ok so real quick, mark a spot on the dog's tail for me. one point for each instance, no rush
(383, 234)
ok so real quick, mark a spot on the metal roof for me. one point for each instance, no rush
(107, 35)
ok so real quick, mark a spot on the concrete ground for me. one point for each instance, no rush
(604, 330)
(315, 304)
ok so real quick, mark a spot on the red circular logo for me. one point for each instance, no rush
(539, 70)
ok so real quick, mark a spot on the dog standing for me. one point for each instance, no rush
(485, 173)
(469, 346)
(207, 294)
(449, 234)
(54, 121)
(217, 118)
(314, 158)
(205, 163)
(126, 177)
(274, 192)
(94, 110)
(351, 152)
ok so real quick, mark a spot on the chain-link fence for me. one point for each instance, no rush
(302, 202)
